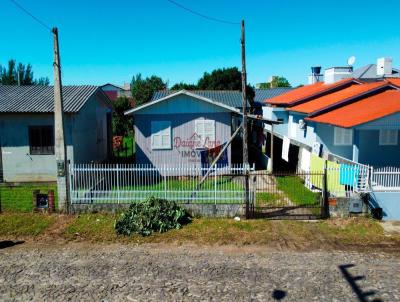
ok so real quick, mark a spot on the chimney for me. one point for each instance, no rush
(127, 86)
(335, 74)
(315, 75)
(384, 67)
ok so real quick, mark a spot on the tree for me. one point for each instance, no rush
(19, 73)
(143, 89)
(221, 79)
(225, 79)
(276, 82)
(181, 85)
(121, 123)
(43, 81)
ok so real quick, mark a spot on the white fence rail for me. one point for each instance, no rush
(127, 183)
(386, 179)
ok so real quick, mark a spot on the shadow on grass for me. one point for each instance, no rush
(8, 243)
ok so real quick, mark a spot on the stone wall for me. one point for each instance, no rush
(340, 206)
(203, 210)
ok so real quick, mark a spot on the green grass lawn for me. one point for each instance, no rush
(267, 199)
(127, 149)
(18, 198)
(219, 231)
(24, 224)
(294, 188)
(181, 190)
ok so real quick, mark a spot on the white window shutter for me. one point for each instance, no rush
(160, 135)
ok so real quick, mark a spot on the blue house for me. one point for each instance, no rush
(27, 130)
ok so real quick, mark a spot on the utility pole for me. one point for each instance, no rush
(59, 139)
(245, 128)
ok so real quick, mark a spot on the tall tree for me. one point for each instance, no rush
(143, 89)
(276, 82)
(225, 79)
(19, 73)
(221, 79)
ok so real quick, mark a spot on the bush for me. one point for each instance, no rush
(151, 215)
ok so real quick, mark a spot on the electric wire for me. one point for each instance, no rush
(202, 15)
(30, 14)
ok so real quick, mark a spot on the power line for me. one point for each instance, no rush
(30, 14)
(202, 15)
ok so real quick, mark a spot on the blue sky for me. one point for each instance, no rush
(110, 41)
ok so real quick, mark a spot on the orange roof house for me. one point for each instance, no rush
(362, 111)
(309, 92)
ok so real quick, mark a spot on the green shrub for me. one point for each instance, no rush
(151, 215)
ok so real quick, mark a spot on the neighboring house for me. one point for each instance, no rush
(351, 118)
(115, 91)
(27, 129)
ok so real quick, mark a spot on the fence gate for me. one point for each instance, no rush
(286, 195)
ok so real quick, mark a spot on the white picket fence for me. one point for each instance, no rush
(126, 183)
(385, 179)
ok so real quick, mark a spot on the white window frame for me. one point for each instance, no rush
(199, 128)
(339, 136)
(385, 136)
(161, 129)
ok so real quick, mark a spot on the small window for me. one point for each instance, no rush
(388, 137)
(343, 137)
(41, 140)
(205, 129)
(160, 135)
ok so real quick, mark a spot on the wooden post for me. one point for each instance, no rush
(245, 127)
(271, 159)
(59, 140)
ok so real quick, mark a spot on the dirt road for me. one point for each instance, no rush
(116, 272)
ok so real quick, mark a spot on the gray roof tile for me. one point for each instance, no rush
(232, 98)
(24, 99)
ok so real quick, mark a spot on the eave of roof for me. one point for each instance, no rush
(182, 92)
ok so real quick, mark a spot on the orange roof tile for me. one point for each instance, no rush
(335, 97)
(363, 111)
(306, 92)
(394, 81)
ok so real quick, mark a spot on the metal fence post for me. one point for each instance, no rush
(215, 184)
(325, 192)
(118, 183)
(165, 181)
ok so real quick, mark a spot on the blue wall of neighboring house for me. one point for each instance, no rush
(370, 152)
(389, 202)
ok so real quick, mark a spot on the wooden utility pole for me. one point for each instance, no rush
(245, 127)
(59, 139)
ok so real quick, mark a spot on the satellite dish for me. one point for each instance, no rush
(351, 60)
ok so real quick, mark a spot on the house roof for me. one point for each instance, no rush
(265, 94)
(369, 72)
(185, 92)
(336, 97)
(309, 91)
(231, 98)
(362, 111)
(40, 99)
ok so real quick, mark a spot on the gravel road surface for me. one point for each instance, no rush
(86, 272)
